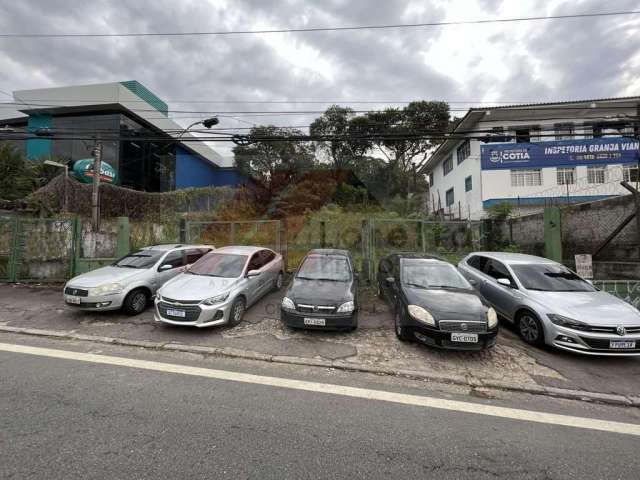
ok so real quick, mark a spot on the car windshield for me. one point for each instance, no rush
(550, 278)
(219, 265)
(325, 267)
(141, 259)
(429, 274)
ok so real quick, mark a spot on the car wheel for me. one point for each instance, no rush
(135, 302)
(401, 331)
(237, 312)
(530, 328)
(279, 281)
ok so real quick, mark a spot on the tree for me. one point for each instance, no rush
(342, 136)
(18, 176)
(273, 150)
(408, 134)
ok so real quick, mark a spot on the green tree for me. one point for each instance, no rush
(18, 176)
(273, 150)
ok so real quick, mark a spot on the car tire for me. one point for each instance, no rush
(354, 327)
(401, 331)
(279, 282)
(530, 328)
(237, 312)
(135, 302)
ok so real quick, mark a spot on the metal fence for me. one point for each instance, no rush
(627, 290)
(263, 233)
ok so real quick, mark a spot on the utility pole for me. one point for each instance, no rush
(95, 194)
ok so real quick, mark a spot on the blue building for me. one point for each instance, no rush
(139, 140)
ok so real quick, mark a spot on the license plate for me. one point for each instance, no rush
(464, 337)
(175, 313)
(73, 300)
(622, 344)
(320, 322)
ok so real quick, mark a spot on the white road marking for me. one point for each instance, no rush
(354, 392)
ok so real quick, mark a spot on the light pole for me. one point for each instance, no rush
(207, 123)
(66, 175)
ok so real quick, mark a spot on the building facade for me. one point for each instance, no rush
(138, 138)
(535, 155)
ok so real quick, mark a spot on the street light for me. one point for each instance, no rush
(207, 123)
(66, 174)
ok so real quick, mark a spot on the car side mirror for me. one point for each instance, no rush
(505, 281)
(253, 273)
(165, 267)
(390, 280)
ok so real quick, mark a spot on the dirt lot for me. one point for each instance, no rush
(373, 344)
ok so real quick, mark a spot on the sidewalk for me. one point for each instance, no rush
(373, 347)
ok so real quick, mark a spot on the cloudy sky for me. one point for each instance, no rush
(515, 62)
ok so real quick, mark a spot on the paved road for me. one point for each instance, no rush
(71, 418)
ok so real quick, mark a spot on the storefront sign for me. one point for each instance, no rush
(584, 265)
(559, 153)
(83, 171)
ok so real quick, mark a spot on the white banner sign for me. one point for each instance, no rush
(584, 265)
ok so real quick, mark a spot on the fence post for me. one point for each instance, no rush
(552, 234)
(123, 245)
(323, 234)
(364, 239)
(77, 240)
(282, 242)
(182, 236)
(423, 237)
(13, 252)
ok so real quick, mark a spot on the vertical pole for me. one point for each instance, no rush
(282, 242)
(182, 235)
(95, 193)
(66, 188)
(123, 246)
(364, 239)
(459, 210)
(323, 234)
(423, 238)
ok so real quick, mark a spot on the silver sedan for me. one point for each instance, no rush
(218, 288)
(548, 303)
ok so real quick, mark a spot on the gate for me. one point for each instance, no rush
(450, 240)
(262, 233)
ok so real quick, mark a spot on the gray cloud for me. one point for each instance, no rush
(585, 58)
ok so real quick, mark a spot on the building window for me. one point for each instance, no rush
(523, 135)
(449, 197)
(526, 177)
(535, 135)
(596, 173)
(463, 151)
(564, 131)
(566, 176)
(468, 184)
(447, 165)
(631, 173)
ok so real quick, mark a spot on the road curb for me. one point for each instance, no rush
(472, 383)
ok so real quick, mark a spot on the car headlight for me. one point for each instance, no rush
(421, 315)
(567, 322)
(492, 318)
(107, 289)
(217, 299)
(288, 304)
(347, 307)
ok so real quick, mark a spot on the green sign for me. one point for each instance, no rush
(83, 171)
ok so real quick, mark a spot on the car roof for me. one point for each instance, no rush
(418, 256)
(170, 246)
(514, 258)
(329, 251)
(240, 249)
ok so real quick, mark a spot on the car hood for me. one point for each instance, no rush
(318, 292)
(445, 304)
(104, 275)
(196, 287)
(594, 308)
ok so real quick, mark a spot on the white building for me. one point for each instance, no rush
(535, 155)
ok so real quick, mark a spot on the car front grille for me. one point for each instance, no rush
(303, 308)
(78, 292)
(181, 302)
(611, 330)
(192, 312)
(462, 326)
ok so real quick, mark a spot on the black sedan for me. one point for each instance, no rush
(434, 304)
(323, 293)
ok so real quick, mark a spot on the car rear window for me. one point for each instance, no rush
(325, 267)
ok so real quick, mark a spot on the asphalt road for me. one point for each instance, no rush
(67, 418)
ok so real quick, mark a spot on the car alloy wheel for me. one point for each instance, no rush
(529, 328)
(237, 312)
(138, 302)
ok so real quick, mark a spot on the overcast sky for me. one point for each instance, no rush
(516, 62)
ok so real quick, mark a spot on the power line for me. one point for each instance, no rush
(319, 29)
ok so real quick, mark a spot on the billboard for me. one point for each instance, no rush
(559, 153)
